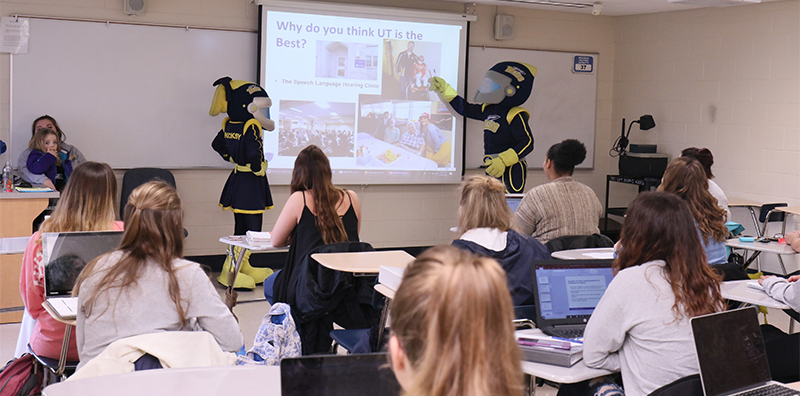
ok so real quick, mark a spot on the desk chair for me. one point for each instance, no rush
(769, 213)
(348, 338)
(686, 386)
(56, 370)
(569, 242)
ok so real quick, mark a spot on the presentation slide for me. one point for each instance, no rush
(357, 87)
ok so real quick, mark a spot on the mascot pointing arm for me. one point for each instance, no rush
(507, 137)
(246, 191)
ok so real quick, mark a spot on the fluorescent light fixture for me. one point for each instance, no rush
(293, 109)
(333, 113)
(553, 3)
(323, 105)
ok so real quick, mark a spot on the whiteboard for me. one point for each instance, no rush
(561, 106)
(128, 95)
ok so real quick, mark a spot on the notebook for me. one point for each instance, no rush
(338, 375)
(65, 254)
(513, 201)
(731, 354)
(567, 292)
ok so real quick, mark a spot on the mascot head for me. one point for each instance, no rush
(507, 83)
(242, 100)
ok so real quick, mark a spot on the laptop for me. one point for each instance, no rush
(513, 201)
(731, 354)
(339, 375)
(65, 254)
(567, 292)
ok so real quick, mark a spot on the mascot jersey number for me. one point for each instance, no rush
(507, 137)
(246, 191)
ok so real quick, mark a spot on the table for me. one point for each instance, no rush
(363, 263)
(584, 254)
(739, 291)
(230, 294)
(644, 183)
(200, 381)
(17, 211)
(789, 210)
(781, 249)
(563, 375)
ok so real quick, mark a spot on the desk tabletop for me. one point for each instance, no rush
(739, 291)
(563, 375)
(28, 195)
(13, 245)
(795, 210)
(386, 291)
(364, 262)
(770, 247)
(584, 254)
(202, 381)
(244, 244)
(742, 202)
(70, 322)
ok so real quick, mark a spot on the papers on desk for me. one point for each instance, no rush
(66, 308)
(33, 189)
(600, 255)
(257, 238)
(753, 284)
(391, 276)
(550, 351)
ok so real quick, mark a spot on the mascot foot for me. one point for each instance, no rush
(258, 274)
(243, 281)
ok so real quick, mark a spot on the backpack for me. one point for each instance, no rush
(21, 377)
(276, 339)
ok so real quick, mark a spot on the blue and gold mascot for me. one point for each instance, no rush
(507, 137)
(240, 141)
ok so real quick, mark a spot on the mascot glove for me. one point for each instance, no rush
(496, 166)
(440, 86)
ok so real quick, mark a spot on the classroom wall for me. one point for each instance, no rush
(403, 215)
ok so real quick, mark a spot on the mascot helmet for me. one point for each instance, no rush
(242, 100)
(507, 83)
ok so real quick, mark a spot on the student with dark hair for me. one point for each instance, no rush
(451, 328)
(641, 324)
(62, 272)
(563, 206)
(146, 286)
(706, 159)
(686, 178)
(484, 227)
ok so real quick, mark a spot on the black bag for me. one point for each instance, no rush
(21, 377)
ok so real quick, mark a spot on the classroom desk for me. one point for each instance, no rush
(563, 375)
(789, 210)
(70, 323)
(781, 249)
(746, 203)
(584, 254)
(363, 263)
(230, 295)
(739, 291)
(17, 211)
(201, 381)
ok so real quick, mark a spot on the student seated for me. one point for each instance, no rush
(563, 206)
(782, 349)
(484, 225)
(793, 240)
(707, 159)
(451, 327)
(87, 204)
(641, 324)
(686, 178)
(47, 159)
(72, 153)
(145, 286)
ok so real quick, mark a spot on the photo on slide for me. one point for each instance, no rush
(422, 130)
(343, 60)
(328, 125)
(407, 66)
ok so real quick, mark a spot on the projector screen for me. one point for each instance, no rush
(353, 80)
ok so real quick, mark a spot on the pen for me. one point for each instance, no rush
(569, 339)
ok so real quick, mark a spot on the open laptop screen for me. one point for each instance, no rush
(338, 375)
(730, 350)
(571, 289)
(66, 253)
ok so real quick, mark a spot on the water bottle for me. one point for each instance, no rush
(8, 182)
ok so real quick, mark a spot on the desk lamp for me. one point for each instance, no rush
(646, 122)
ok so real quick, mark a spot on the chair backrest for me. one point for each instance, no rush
(774, 216)
(686, 386)
(136, 177)
(569, 242)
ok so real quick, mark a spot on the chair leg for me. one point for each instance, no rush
(783, 268)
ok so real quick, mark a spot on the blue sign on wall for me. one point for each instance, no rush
(583, 64)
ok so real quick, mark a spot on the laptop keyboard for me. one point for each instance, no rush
(770, 390)
(567, 333)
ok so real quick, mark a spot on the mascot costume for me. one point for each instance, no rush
(240, 141)
(507, 137)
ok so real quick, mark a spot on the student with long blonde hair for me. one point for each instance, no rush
(484, 227)
(686, 177)
(146, 286)
(87, 204)
(452, 331)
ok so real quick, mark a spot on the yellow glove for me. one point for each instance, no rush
(496, 166)
(440, 86)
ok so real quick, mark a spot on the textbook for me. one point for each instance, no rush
(257, 238)
(65, 308)
(549, 351)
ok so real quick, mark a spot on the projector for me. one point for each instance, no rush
(714, 3)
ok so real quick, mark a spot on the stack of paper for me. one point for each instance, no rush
(256, 238)
(32, 189)
(391, 276)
